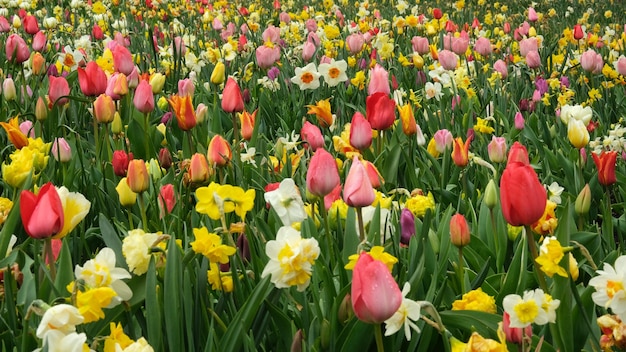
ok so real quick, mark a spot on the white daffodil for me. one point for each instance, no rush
(287, 202)
(406, 315)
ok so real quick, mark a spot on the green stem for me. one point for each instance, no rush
(146, 123)
(534, 254)
(496, 237)
(329, 242)
(461, 271)
(379, 338)
(192, 147)
(142, 209)
(48, 257)
(359, 216)
(130, 218)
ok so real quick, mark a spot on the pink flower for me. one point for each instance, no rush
(312, 135)
(167, 199)
(443, 139)
(501, 67)
(533, 60)
(16, 49)
(322, 176)
(591, 61)
(527, 45)
(58, 88)
(420, 44)
(266, 56)
(448, 60)
(482, 46)
(355, 43)
(144, 98)
(532, 14)
(30, 24)
(375, 294)
(380, 111)
(358, 190)
(232, 100)
(92, 79)
(497, 149)
(379, 81)
(39, 41)
(620, 65)
(308, 50)
(519, 121)
(360, 132)
(122, 60)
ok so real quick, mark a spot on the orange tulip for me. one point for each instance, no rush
(247, 123)
(184, 111)
(219, 153)
(137, 176)
(460, 152)
(16, 136)
(606, 167)
(322, 111)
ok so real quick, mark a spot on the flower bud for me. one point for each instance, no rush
(137, 176)
(157, 81)
(104, 109)
(491, 195)
(345, 312)
(583, 201)
(165, 158)
(8, 89)
(128, 198)
(116, 125)
(41, 110)
(459, 231)
(218, 75)
(61, 150)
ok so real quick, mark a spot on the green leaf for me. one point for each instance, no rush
(486, 324)
(65, 271)
(153, 308)
(172, 306)
(232, 339)
(112, 240)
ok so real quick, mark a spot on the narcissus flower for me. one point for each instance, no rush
(378, 253)
(287, 202)
(102, 272)
(609, 285)
(535, 307)
(307, 77)
(210, 245)
(291, 259)
(136, 248)
(475, 300)
(406, 315)
(62, 318)
(550, 254)
(334, 72)
(75, 209)
(91, 302)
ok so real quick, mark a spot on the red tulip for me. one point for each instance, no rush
(376, 179)
(360, 132)
(16, 49)
(375, 294)
(437, 14)
(514, 335)
(578, 32)
(144, 98)
(358, 190)
(322, 176)
(58, 88)
(92, 79)
(232, 100)
(30, 24)
(42, 214)
(120, 162)
(522, 196)
(167, 199)
(219, 152)
(605, 163)
(380, 111)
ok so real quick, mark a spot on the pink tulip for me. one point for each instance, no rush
(39, 41)
(358, 190)
(58, 88)
(379, 81)
(16, 49)
(117, 86)
(532, 14)
(219, 152)
(232, 100)
(448, 60)
(519, 121)
(360, 132)
(501, 67)
(514, 335)
(272, 34)
(497, 149)
(533, 60)
(92, 79)
(421, 45)
(266, 56)
(460, 45)
(4, 25)
(186, 87)
(527, 45)
(620, 65)
(144, 98)
(61, 150)
(312, 135)
(167, 200)
(322, 176)
(591, 61)
(443, 140)
(482, 46)
(355, 42)
(375, 294)
(122, 60)
(30, 24)
(308, 50)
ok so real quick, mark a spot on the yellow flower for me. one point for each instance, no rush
(432, 148)
(482, 126)
(5, 208)
(476, 300)
(241, 202)
(220, 280)
(117, 336)
(210, 245)
(21, 165)
(551, 253)
(377, 253)
(127, 197)
(106, 61)
(210, 205)
(419, 204)
(75, 208)
(548, 221)
(477, 343)
(91, 302)
(359, 80)
(136, 248)
(322, 111)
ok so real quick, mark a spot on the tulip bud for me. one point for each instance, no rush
(38, 63)
(128, 198)
(41, 110)
(8, 89)
(407, 226)
(573, 267)
(104, 109)
(345, 312)
(61, 150)
(199, 171)
(583, 201)
(491, 195)
(116, 125)
(459, 231)
(325, 334)
(296, 344)
(157, 81)
(218, 75)
(165, 158)
(137, 176)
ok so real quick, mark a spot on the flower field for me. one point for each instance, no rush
(312, 176)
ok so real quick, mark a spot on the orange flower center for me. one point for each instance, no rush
(307, 77)
(68, 60)
(613, 287)
(334, 72)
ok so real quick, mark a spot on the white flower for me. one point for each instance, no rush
(57, 341)
(12, 242)
(609, 285)
(287, 143)
(433, 90)
(140, 345)
(407, 314)
(527, 310)
(291, 259)
(101, 272)
(62, 317)
(75, 208)
(576, 112)
(554, 192)
(287, 202)
(136, 250)
(334, 72)
(307, 77)
(248, 155)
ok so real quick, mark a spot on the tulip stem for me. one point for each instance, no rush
(461, 271)
(359, 216)
(146, 122)
(322, 210)
(534, 253)
(192, 147)
(379, 338)
(142, 209)
(48, 257)
(497, 240)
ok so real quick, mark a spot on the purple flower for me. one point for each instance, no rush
(407, 226)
